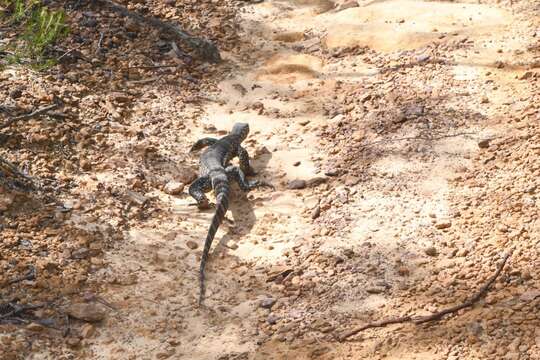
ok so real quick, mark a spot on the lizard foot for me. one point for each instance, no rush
(204, 205)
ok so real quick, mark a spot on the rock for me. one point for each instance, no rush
(526, 75)
(403, 271)
(136, 198)
(443, 225)
(351, 180)
(484, 143)
(81, 253)
(15, 93)
(267, 303)
(6, 200)
(347, 5)
(85, 164)
(512, 356)
(258, 106)
(119, 97)
(187, 175)
(316, 212)
(132, 25)
(272, 319)
(86, 312)
(192, 244)
(316, 181)
(431, 251)
(35, 327)
(73, 342)
(484, 100)
(87, 330)
(165, 354)
(296, 184)
(375, 290)
(332, 172)
(422, 58)
(318, 351)
(173, 188)
(414, 110)
(296, 163)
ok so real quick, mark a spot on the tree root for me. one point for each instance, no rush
(435, 316)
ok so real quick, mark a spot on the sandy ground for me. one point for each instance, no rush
(383, 110)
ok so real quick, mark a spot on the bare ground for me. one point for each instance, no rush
(414, 126)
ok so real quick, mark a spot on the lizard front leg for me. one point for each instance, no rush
(236, 174)
(245, 166)
(203, 143)
(198, 188)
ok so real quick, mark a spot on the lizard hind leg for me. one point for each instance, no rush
(236, 174)
(198, 189)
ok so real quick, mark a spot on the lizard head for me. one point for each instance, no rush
(241, 129)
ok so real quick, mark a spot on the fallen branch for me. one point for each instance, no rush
(150, 67)
(10, 310)
(37, 112)
(11, 177)
(66, 53)
(435, 316)
(205, 48)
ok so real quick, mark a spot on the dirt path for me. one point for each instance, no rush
(379, 109)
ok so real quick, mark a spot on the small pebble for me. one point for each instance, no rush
(267, 303)
(296, 184)
(431, 251)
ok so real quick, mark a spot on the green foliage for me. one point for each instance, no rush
(42, 28)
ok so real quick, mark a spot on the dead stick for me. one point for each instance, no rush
(17, 309)
(23, 181)
(150, 67)
(37, 112)
(436, 316)
(481, 292)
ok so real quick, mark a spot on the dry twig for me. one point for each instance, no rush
(37, 112)
(435, 316)
(11, 177)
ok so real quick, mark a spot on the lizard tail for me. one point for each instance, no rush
(221, 189)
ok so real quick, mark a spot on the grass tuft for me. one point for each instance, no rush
(41, 29)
